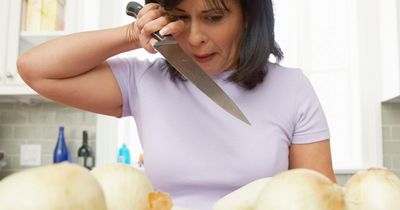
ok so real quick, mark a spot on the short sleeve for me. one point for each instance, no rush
(128, 71)
(310, 121)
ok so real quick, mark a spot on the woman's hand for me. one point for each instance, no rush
(150, 19)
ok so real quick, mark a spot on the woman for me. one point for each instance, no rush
(194, 150)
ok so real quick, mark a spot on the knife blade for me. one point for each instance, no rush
(170, 49)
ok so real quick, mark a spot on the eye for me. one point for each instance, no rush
(214, 18)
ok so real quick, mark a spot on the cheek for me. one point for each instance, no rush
(182, 41)
(230, 39)
(231, 45)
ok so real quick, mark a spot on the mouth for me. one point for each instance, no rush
(204, 58)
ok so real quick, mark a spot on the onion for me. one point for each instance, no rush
(125, 187)
(59, 186)
(373, 189)
(300, 189)
(161, 201)
(243, 198)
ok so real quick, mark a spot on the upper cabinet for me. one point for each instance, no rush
(27, 23)
(390, 49)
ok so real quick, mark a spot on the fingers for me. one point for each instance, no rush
(173, 28)
(150, 19)
(149, 13)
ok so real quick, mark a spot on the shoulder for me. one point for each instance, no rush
(287, 76)
(133, 62)
(126, 66)
(278, 70)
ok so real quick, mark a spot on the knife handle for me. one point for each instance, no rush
(132, 9)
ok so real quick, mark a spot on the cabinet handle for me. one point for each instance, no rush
(9, 75)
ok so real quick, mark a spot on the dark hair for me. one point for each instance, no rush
(258, 42)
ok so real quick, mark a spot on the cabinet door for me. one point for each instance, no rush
(32, 22)
(390, 49)
(3, 40)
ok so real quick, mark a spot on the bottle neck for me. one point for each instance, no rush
(61, 134)
(85, 142)
(85, 138)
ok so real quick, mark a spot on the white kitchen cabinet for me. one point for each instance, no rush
(75, 15)
(390, 49)
(3, 40)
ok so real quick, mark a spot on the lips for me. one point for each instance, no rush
(204, 58)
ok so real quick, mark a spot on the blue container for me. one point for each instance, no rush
(61, 150)
(124, 156)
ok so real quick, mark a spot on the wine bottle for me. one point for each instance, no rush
(85, 154)
(61, 149)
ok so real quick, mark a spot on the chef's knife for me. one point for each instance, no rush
(169, 48)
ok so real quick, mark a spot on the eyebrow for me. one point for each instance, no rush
(204, 11)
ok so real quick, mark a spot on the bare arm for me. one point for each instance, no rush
(316, 156)
(71, 69)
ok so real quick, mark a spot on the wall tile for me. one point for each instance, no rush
(50, 132)
(15, 117)
(391, 118)
(11, 147)
(387, 132)
(395, 107)
(28, 132)
(90, 118)
(7, 107)
(397, 172)
(38, 123)
(42, 117)
(387, 161)
(67, 117)
(391, 136)
(395, 133)
(396, 162)
(6, 132)
(341, 179)
(28, 107)
(391, 148)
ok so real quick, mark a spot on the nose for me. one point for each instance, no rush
(196, 34)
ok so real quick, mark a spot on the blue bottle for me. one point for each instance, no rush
(124, 156)
(61, 150)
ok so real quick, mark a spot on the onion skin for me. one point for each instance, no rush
(125, 187)
(300, 189)
(373, 189)
(61, 186)
(243, 198)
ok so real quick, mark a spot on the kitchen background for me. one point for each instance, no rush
(348, 48)
(37, 123)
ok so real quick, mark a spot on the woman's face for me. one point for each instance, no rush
(211, 35)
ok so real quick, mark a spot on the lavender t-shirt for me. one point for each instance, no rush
(196, 151)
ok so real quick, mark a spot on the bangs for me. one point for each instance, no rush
(215, 4)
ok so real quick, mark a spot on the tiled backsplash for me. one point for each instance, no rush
(391, 140)
(37, 123)
(391, 136)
